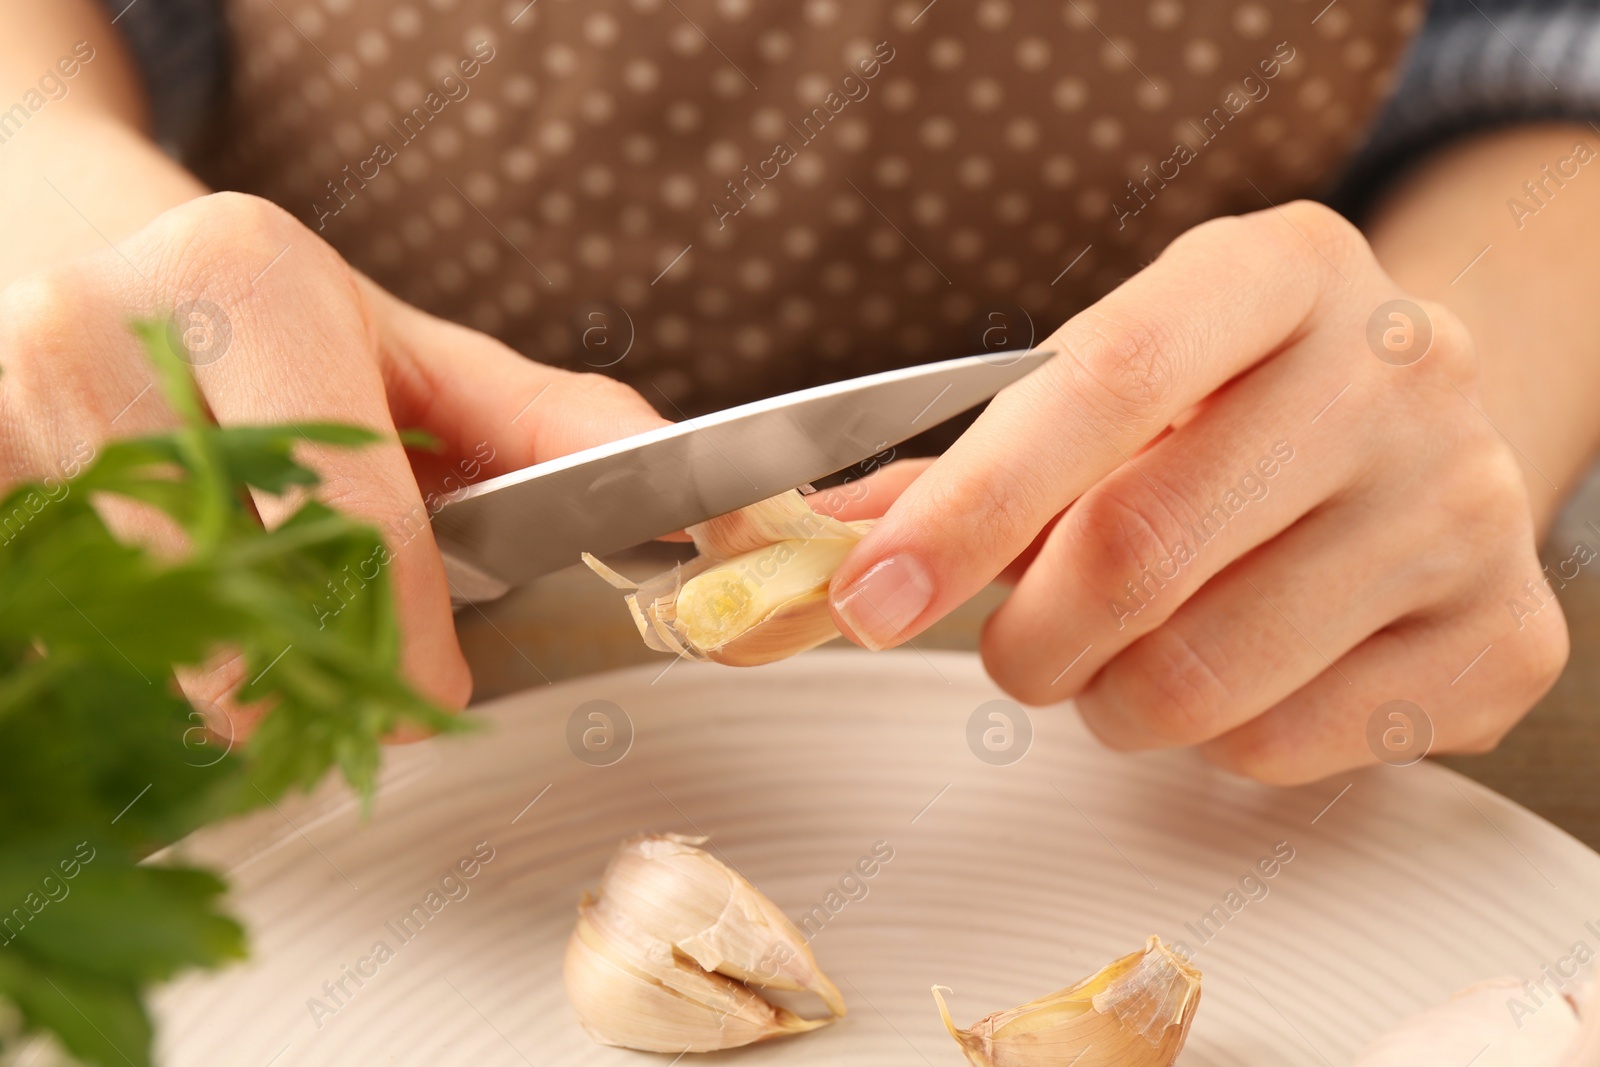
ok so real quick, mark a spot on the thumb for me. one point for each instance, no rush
(481, 398)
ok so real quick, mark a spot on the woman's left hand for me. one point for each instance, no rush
(1252, 500)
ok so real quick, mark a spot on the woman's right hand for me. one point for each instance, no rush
(279, 328)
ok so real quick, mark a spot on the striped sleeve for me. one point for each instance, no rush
(1477, 64)
(181, 49)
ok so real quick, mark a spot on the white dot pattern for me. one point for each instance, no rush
(780, 195)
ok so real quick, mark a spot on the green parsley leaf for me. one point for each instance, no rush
(103, 760)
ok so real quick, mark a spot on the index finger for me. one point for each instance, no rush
(298, 347)
(1221, 298)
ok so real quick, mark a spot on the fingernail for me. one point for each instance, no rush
(882, 604)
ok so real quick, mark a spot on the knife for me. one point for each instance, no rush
(508, 530)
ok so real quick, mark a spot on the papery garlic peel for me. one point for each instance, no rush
(668, 955)
(1135, 1012)
(757, 591)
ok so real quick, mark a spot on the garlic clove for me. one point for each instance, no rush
(798, 626)
(1135, 1012)
(1585, 1050)
(757, 592)
(711, 914)
(1478, 1025)
(631, 990)
(721, 602)
(664, 957)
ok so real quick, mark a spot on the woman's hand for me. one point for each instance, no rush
(1252, 499)
(280, 329)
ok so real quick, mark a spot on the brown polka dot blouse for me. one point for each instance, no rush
(717, 200)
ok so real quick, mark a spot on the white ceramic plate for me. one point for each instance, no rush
(1007, 880)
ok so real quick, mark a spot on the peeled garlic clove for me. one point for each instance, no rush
(631, 990)
(1479, 1025)
(711, 914)
(664, 958)
(1585, 1051)
(758, 591)
(798, 626)
(1134, 1013)
(762, 606)
(1585, 997)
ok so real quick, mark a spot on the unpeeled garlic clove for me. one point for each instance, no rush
(710, 913)
(631, 990)
(1478, 1025)
(756, 593)
(1135, 1012)
(664, 958)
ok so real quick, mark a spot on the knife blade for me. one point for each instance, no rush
(510, 529)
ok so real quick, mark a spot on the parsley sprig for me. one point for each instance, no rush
(103, 760)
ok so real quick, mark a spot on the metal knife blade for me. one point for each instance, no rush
(511, 529)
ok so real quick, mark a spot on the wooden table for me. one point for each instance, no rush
(571, 624)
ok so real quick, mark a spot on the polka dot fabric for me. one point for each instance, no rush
(718, 200)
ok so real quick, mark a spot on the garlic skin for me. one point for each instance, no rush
(756, 593)
(631, 990)
(707, 911)
(1135, 1012)
(664, 958)
(1474, 1026)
